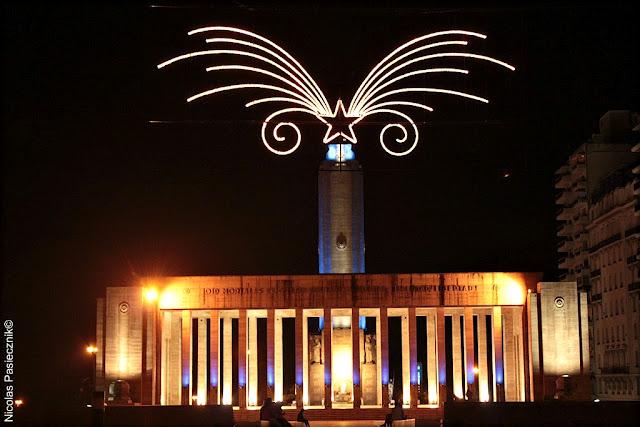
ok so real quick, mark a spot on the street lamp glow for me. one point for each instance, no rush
(476, 370)
(18, 402)
(151, 294)
(92, 349)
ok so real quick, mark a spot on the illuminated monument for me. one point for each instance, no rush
(343, 339)
(340, 212)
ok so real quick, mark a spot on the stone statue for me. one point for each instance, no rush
(316, 349)
(370, 348)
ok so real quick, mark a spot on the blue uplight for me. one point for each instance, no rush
(362, 322)
(340, 152)
(213, 377)
(242, 379)
(385, 374)
(270, 375)
(442, 375)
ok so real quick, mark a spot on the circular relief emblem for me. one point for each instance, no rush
(559, 302)
(123, 307)
(341, 241)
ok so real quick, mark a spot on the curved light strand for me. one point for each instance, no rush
(239, 53)
(437, 55)
(407, 44)
(407, 75)
(424, 89)
(265, 72)
(398, 125)
(274, 99)
(375, 80)
(247, 86)
(389, 103)
(306, 93)
(272, 53)
(278, 126)
(270, 43)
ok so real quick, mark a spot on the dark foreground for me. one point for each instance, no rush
(461, 414)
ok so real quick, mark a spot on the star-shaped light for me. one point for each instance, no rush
(339, 124)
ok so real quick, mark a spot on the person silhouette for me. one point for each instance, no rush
(301, 418)
(267, 411)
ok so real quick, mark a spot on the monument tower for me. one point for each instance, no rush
(340, 212)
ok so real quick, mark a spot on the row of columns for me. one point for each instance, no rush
(200, 391)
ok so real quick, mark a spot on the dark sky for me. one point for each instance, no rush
(94, 195)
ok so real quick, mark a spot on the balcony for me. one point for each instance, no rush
(635, 231)
(595, 273)
(565, 246)
(632, 259)
(618, 370)
(614, 238)
(564, 214)
(565, 263)
(565, 229)
(569, 198)
(563, 181)
(635, 286)
(596, 297)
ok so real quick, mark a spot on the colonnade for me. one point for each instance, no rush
(339, 357)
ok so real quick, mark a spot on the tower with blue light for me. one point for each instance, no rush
(340, 212)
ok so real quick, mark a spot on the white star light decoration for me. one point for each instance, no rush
(303, 95)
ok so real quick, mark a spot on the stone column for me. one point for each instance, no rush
(212, 395)
(328, 388)
(186, 358)
(277, 357)
(157, 369)
(413, 358)
(442, 362)
(384, 353)
(270, 352)
(171, 355)
(355, 353)
(498, 364)
(469, 349)
(519, 349)
(483, 375)
(432, 357)
(227, 357)
(148, 353)
(252, 365)
(202, 361)
(305, 359)
(242, 358)
(406, 366)
(457, 356)
(536, 391)
(510, 356)
(299, 359)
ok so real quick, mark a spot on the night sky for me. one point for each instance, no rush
(94, 195)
